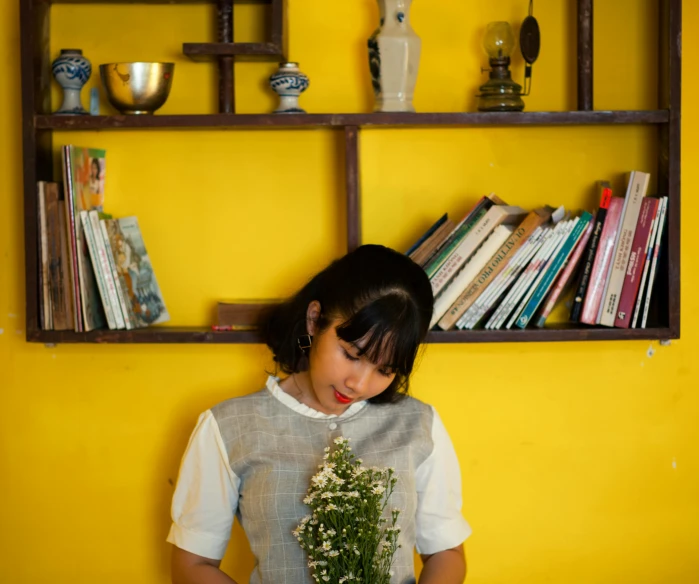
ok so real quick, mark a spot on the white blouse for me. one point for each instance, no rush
(206, 496)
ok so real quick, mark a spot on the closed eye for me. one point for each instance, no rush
(386, 371)
(348, 356)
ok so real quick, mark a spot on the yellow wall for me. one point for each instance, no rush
(580, 460)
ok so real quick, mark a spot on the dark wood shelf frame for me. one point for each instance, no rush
(413, 120)
(237, 51)
(39, 124)
(194, 335)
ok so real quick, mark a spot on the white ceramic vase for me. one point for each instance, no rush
(394, 57)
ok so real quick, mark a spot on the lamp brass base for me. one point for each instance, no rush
(500, 95)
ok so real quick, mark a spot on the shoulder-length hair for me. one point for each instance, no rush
(379, 295)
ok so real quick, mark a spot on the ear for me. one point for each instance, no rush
(312, 316)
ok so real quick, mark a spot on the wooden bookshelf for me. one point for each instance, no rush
(195, 335)
(39, 125)
(412, 120)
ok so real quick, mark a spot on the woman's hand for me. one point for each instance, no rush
(446, 567)
(189, 568)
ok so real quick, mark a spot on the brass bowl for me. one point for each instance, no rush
(137, 88)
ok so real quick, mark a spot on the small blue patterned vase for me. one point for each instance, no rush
(288, 82)
(71, 70)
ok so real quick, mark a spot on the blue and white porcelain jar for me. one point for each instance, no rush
(289, 83)
(71, 70)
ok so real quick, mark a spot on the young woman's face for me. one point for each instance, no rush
(339, 376)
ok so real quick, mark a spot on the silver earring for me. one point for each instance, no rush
(305, 342)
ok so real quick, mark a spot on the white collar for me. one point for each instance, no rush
(303, 409)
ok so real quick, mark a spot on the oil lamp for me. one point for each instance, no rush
(500, 93)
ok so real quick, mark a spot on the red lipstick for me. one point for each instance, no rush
(343, 399)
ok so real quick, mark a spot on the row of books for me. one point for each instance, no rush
(94, 270)
(503, 267)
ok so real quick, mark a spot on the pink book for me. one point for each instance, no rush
(637, 259)
(603, 262)
(566, 275)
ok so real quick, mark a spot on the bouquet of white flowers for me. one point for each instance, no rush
(346, 537)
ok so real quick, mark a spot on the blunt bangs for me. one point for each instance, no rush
(390, 330)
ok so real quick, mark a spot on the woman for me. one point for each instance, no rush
(347, 342)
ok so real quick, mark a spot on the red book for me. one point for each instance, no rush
(637, 259)
(603, 262)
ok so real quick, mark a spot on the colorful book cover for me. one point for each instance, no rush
(136, 275)
(460, 231)
(649, 254)
(557, 264)
(605, 191)
(565, 276)
(489, 300)
(603, 260)
(93, 249)
(86, 192)
(656, 253)
(497, 263)
(637, 189)
(537, 274)
(637, 259)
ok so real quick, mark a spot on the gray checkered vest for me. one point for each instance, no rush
(275, 452)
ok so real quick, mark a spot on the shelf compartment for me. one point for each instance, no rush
(223, 121)
(238, 51)
(199, 336)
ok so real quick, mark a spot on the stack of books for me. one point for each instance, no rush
(94, 270)
(503, 267)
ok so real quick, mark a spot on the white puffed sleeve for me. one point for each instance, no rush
(206, 496)
(440, 525)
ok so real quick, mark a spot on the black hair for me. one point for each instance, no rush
(378, 294)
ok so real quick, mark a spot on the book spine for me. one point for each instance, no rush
(426, 235)
(500, 284)
(637, 259)
(649, 256)
(494, 240)
(593, 298)
(523, 279)
(479, 209)
(652, 274)
(437, 262)
(123, 300)
(540, 272)
(496, 264)
(566, 275)
(53, 234)
(66, 267)
(45, 295)
(638, 186)
(71, 228)
(590, 252)
(427, 250)
(554, 268)
(94, 256)
(105, 270)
